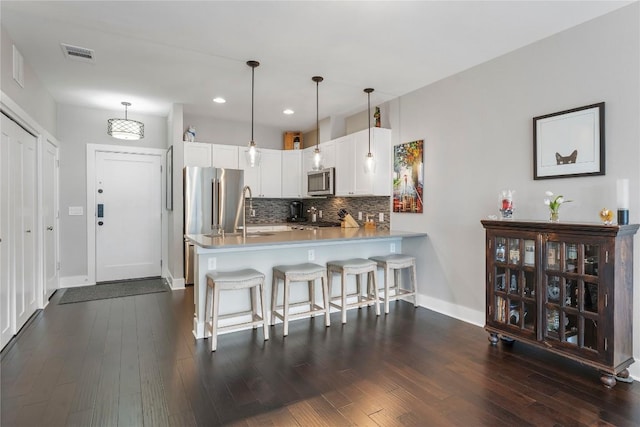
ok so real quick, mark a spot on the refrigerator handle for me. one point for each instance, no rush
(216, 206)
(214, 220)
(220, 205)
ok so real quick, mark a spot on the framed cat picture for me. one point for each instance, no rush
(569, 143)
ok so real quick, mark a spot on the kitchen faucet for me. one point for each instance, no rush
(241, 208)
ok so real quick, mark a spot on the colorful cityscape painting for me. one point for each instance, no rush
(408, 177)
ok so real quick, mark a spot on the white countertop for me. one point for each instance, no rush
(326, 234)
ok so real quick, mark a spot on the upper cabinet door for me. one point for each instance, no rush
(197, 154)
(350, 155)
(225, 156)
(381, 147)
(271, 174)
(292, 173)
(263, 179)
(345, 166)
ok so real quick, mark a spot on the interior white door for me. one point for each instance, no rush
(22, 219)
(128, 216)
(50, 217)
(7, 311)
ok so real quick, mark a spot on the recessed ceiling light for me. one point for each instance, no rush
(219, 100)
(288, 111)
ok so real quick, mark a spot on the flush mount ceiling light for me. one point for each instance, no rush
(288, 111)
(317, 157)
(252, 154)
(219, 100)
(369, 161)
(125, 128)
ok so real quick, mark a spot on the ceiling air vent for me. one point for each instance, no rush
(78, 53)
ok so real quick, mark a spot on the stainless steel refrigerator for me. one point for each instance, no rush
(210, 201)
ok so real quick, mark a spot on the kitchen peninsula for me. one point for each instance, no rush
(264, 250)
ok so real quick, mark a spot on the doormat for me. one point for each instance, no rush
(113, 290)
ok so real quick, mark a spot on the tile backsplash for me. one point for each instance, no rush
(270, 211)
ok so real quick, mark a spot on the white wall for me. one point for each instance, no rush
(77, 127)
(477, 128)
(230, 132)
(176, 233)
(33, 98)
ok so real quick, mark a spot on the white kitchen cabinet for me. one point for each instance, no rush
(292, 174)
(265, 179)
(198, 154)
(328, 152)
(224, 156)
(351, 152)
(345, 177)
(207, 155)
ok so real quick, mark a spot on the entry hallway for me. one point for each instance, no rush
(132, 361)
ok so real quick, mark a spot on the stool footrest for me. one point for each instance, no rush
(360, 302)
(257, 321)
(316, 309)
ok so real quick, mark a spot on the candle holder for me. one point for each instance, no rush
(505, 203)
(622, 187)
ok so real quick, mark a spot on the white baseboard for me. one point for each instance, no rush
(475, 317)
(74, 281)
(634, 372)
(175, 283)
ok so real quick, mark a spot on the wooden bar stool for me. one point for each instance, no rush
(355, 266)
(218, 281)
(395, 263)
(289, 274)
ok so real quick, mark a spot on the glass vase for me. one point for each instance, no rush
(554, 217)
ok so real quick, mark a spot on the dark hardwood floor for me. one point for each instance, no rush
(133, 361)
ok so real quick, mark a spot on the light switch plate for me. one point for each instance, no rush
(312, 255)
(392, 248)
(381, 217)
(212, 263)
(360, 216)
(76, 210)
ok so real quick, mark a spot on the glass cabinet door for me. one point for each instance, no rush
(571, 292)
(513, 278)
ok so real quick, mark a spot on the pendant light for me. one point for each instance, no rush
(369, 161)
(317, 157)
(252, 154)
(125, 128)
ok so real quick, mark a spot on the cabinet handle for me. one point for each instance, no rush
(50, 228)
(27, 231)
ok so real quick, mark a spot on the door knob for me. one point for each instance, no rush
(100, 222)
(50, 228)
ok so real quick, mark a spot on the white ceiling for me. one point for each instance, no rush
(155, 53)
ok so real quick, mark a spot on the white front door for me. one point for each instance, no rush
(128, 216)
(50, 217)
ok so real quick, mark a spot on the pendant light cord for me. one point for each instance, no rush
(253, 65)
(369, 117)
(253, 70)
(317, 79)
(317, 114)
(368, 92)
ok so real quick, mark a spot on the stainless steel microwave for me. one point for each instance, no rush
(320, 182)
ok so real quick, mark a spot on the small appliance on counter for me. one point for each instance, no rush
(296, 212)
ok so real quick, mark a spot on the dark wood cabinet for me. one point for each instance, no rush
(565, 287)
